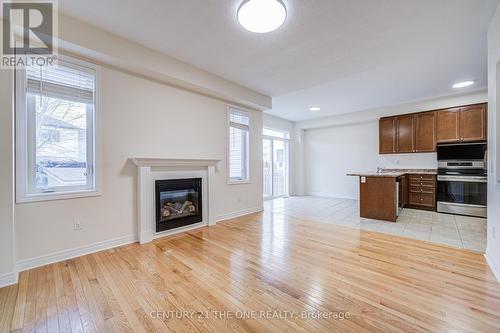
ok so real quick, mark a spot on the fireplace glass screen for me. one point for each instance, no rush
(178, 203)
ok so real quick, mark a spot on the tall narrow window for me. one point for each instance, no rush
(239, 129)
(55, 130)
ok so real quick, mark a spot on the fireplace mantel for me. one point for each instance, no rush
(173, 162)
(150, 167)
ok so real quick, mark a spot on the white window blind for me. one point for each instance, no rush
(67, 82)
(239, 129)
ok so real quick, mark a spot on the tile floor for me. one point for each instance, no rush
(454, 230)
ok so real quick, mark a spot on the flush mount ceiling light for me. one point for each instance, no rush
(261, 16)
(463, 84)
(314, 108)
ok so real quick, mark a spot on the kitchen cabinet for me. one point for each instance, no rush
(462, 124)
(447, 125)
(422, 191)
(425, 132)
(405, 134)
(387, 135)
(421, 132)
(473, 125)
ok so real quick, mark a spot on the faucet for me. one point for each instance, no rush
(379, 169)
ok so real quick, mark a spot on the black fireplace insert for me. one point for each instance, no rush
(178, 203)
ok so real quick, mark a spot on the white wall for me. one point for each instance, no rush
(332, 147)
(493, 247)
(278, 123)
(7, 275)
(140, 118)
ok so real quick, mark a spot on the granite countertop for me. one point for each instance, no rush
(394, 172)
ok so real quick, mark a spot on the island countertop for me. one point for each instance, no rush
(394, 173)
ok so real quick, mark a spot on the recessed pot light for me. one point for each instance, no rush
(463, 84)
(261, 16)
(314, 108)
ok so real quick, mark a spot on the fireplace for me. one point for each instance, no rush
(178, 203)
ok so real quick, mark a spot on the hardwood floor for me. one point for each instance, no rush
(261, 262)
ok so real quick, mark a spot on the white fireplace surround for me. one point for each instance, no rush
(151, 169)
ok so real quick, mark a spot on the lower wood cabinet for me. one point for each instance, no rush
(422, 191)
(424, 200)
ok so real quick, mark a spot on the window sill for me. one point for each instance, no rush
(238, 182)
(58, 196)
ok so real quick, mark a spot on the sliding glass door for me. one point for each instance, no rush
(268, 168)
(275, 158)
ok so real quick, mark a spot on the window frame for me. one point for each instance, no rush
(232, 181)
(25, 151)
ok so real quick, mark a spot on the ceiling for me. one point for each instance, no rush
(342, 55)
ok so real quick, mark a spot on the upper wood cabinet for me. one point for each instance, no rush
(387, 136)
(473, 125)
(447, 125)
(425, 132)
(404, 134)
(420, 132)
(466, 123)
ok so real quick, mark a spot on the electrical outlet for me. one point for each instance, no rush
(494, 232)
(77, 224)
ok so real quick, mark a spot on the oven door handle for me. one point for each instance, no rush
(468, 179)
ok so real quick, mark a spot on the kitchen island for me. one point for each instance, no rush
(383, 194)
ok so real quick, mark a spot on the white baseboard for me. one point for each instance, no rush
(236, 214)
(8, 279)
(494, 265)
(26, 264)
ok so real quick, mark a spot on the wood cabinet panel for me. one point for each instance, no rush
(473, 123)
(425, 132)
(418, 177)
(387, 136)
(404, 190)
(378, 198)
(426, 200)
(404, 134)
(422, 191)
(447, 125)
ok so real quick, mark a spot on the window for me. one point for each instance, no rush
(239, 129)
(275, 133)
(55, 116)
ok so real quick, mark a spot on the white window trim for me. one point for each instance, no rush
(229, 180)
(23, 195)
